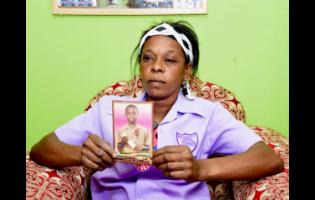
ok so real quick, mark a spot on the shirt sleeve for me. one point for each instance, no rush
(77, 130)
(229, 135)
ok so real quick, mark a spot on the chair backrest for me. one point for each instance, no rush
(206, 90)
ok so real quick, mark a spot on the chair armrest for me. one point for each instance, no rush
(271, 187)
(47, 183)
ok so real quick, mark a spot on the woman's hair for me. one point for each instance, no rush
(180, 27)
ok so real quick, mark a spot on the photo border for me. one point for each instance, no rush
(126, 11)
(126, 160)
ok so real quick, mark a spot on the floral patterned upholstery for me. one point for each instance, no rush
(205, 90)
(271, 187)
(44, 183)
(72, 182)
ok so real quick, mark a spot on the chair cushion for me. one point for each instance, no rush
(46, 183)
(271, 187)
(207, 90)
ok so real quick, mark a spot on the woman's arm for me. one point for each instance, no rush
(178, 162)
(258, 161)
(51, 152)
(95, 153)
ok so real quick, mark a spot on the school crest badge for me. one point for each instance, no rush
(187, 139)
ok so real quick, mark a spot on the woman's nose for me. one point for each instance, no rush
(157, 66)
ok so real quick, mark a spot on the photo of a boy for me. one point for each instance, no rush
(132, 131)
(132, 137)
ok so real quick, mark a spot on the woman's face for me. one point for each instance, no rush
(162, 67)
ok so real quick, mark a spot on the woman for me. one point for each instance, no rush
(189, 130)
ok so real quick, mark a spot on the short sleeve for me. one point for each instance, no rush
(77, 130)
(229, 135)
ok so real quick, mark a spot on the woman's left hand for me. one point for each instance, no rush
(177, 162)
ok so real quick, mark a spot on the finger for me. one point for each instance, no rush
(170, 157)
(102, 144)
(181, 174)
(175, 166)
(92, 145)
(107, 147)
(114, 155)
(109, 159)
(86, 152)
(103, 165)
(167, 174)
(172, 149)
(90, 164)
(89, 144)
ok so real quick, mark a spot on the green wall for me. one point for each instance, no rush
(243, 44)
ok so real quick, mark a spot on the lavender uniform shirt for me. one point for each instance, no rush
(206, 127)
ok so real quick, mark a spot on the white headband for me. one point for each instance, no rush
(166, 29)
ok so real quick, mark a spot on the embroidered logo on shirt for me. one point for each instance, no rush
(187, 139)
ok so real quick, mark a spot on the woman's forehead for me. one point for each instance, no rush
(162, 43)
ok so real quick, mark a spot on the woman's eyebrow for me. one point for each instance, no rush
(167, 51)
(147, 51)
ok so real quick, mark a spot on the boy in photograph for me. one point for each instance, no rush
(132, 137)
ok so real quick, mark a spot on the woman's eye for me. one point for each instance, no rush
(146, 58)
(170, 61)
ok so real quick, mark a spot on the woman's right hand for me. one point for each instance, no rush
(96, 153)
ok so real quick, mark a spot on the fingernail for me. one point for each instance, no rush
(100, 153)
(114, 155)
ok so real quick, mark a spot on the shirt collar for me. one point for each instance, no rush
(184, 105)
(141, 97)
(181, 105)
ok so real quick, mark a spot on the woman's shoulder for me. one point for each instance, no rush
(110, 98)
(202, 102)
(198, 106)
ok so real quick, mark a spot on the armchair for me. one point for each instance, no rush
(73, 182)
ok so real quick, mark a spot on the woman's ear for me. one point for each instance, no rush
(188, 71)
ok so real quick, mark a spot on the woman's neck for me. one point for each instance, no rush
(161, 108)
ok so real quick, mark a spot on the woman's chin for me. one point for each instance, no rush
(155, 95)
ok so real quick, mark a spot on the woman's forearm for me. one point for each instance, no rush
(51, 152)
(257, 162)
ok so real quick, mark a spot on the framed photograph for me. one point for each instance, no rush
(129, 7)
(132, 129)
(77, 3)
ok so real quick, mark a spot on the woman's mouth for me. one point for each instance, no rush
(156, 82)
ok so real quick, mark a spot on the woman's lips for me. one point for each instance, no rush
(156, 82)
